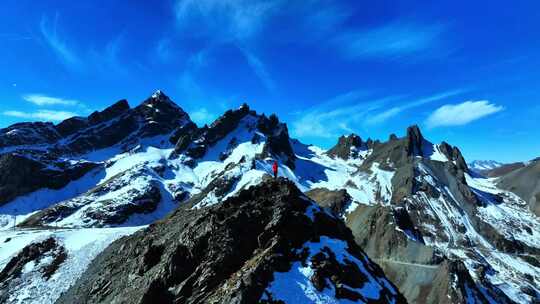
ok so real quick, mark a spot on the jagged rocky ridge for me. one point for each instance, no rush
(43, 155)
(442, 233)
(248, 249)
(441, 228)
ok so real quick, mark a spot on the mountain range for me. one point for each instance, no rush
(138, 205)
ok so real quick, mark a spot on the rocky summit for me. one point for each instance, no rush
(142, 205)
(268, 244)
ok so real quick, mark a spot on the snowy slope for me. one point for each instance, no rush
(481, 165)
(81, 246)
(295, 285)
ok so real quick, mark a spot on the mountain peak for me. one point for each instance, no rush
(415, 140)
(158, 94)
(160, 98)
(239, 251)
(345, 146)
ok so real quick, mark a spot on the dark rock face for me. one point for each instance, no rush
(404, 222)
(113, 211)
(26, 169)
(118, 108)
(454, 154)
(346, 147)
(336, 201)
(20, 175)
(525, 182)
(194, 143)
(28, 133)
(226, 253)
(157, 115)
(71, 125)
(182, 136)
(469, 291)
(160, 115)
(115, 214)
(102, 136)
(423, 274)
(76, 124)
(34, 252)
(277, 142)
(415, 141)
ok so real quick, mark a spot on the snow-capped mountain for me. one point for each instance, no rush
(269, 243)
(440, 233)
(483, 165)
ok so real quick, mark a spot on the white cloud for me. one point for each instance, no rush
(392, 112)
(224, 19)
(43, 100)
(107, 60)
(48, 115)
(391, 40)
(337, 115)
(163, 50)
(259, 68)
(235, 22)
(59, 46)
(202, 116)
(461, 114)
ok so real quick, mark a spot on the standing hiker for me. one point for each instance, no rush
(274, 169)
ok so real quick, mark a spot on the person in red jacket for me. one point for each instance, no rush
(274, 169)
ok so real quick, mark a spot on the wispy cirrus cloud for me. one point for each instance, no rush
(391, 40)
(341, 114)
(107, 59)
(462, 113)
(396, 110)
(229, 22)
(49, 31)
(47, 115)
(44, 100)
(14, 36)
(104, 59)
(163, 50)
(260, 69)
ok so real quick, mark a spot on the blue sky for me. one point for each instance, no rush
(467, 73)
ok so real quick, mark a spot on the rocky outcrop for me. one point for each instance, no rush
(35, 158)
(423, 274)
(160, 115)
(28, 133)
(109, 204)
(278, 143)
(346, 147)
(157, 115)
(415, 141)
(20, 175)
(454, 154)
(45, 256)
(117, 124)
(194, 143)
(233, 253)
(336, 201)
